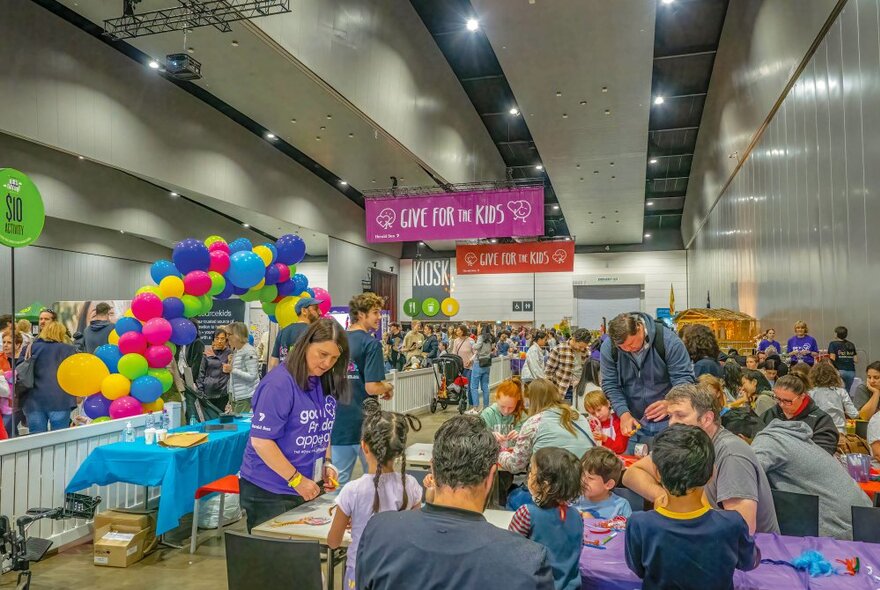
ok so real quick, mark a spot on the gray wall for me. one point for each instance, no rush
(348, 264)
(793, 238)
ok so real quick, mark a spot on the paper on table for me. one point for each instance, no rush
(184, 440)
(117, 536)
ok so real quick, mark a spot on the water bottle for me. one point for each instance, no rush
(192, 420)
(149, 423)
(129, 432)
(166, 423)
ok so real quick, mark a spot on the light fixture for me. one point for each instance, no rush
(245, 225)
(555, 207)
(667, 2)
(652, 161)
(82, 157)
(122, 231)
(647, 235)
(494, 241)
(514, 111)
(650, 203)
(343, 183)
(270, 136)
(173, 194)
(421, 243)
(539, 167)
(154, 65)
(658, 100)
(473, 24)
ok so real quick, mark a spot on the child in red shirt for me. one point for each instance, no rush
(606, 424)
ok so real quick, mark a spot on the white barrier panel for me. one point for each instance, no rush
(500, 371)
(35, 469)
(413, 391)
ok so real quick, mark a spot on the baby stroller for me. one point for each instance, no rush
(452, 385)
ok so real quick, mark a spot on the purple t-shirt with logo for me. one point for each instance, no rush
(298, 421)
(805, 345)
(762, 346)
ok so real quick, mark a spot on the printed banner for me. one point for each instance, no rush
(515, 258)
(432, 285)
(224, 312)
(517, 212)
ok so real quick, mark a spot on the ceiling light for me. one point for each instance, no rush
(650, 203)
(245, 225)
(82, 157)
(555, 207)
(647, 235)
(421, 243)
(473, 24)
(539, 167)
(494, 241)
(514, 111)
(667, 1)
(652, 161)
(658, 100)
(173, 194)
(270, 136)
(154, 65)
(235, 43)
(122, 231)
(343, 183)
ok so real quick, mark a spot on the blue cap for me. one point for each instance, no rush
(306, 302)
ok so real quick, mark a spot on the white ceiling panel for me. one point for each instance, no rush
(581, 73)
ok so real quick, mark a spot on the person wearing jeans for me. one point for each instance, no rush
(480, 375)
(56, 419)
(46, 404)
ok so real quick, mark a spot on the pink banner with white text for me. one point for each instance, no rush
(471, 215)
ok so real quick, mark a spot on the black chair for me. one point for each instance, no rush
(258, 562)
(866, 524)
(797, 514)
(636, 502)
(862, 428)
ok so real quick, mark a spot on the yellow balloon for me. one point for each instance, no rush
(128, 313)
(208, 241)
(285, 311)
(264, 253)
(113, 337)
(81, 374)
(171, 286)
(449, 306)
(115, 386)
(261, 284)
(155, 406)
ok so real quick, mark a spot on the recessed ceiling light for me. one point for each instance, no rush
(245, 225)
(647, 235)
(650, 203)
(329, 117)
(82, 157)
(565, 115)
(350, 135)
(317, 138)
(122, 231)
(514, 111)
(558, 94)
(658, 100)
(323, 128)
(604, 89)
(473, 24)
(494, 241)
(539, 167)
(421, 243)
(270, 136)
(583, 103)
(667, 1)
(607, 111)
(235, 43)
(173, 194)
(611, 163)
(652, 161)
(555, 207)
(190, 50)
(293, 120)
(153, 64)
(343, 183)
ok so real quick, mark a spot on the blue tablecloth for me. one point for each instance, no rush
(180, 472)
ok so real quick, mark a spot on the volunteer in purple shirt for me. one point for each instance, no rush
(287, 458)
(769, 339)
(802, 347)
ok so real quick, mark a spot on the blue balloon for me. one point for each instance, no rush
(96, 405)
(126, 324)
(240, 245)
(273, 250)
(301, 283)
(236, 290)
(288, 288)
(146, 389)
(172, 307)
(310, 292)
(191, 254)
(246, 269)
(291, 249)
(272, 274)
(272, 319)
(109, 355)
(163, 268)
(226, 293)
(183, 331)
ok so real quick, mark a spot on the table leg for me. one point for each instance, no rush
(331, 567)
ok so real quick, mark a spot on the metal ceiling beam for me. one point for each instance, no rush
(674, 155)
(515, 142)
(483, 78)
(685, 55)
(671, 129)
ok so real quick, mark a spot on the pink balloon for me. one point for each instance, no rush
(197, 283)
(283, 272)
(159, 356)
(324, 296)
(219, 260)
(156, 331)
(125, 407)
(147, 306)
(132, 342)
(219, 247)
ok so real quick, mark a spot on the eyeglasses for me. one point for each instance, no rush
(784, 402)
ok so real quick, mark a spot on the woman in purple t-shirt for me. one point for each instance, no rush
(287, 457)
(802, 347)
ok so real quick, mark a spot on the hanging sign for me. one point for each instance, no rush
(456, 216)
(432, 290)
(515, 258)
(23, 215)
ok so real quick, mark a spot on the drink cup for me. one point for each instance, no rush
(150, 435)
(161, 434)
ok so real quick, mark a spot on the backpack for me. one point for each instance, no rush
(657, 344)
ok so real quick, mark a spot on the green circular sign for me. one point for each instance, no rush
(23, 216)
(411, 307)
(430, 307)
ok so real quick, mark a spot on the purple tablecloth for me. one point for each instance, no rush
(606, 570)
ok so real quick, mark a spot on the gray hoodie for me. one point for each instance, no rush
(794, 463)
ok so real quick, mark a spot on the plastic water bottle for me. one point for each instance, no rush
(166, 423)
(149, 423)
(129, 432)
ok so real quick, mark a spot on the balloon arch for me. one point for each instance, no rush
(128, 376)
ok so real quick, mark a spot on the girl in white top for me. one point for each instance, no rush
(380, 490)
(533, 368)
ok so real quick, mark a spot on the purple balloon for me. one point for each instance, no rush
(172, 307)
(272, 274)
(291, 249)
(227, 291)
(183, 331)
(288, 288)
(96, 406)
(191, 254)
(236, 290)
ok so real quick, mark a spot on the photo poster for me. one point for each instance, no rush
(76, 315)
(340, 314)
(224, 312)
(432, 281)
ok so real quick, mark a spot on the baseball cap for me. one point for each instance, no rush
(306, 302)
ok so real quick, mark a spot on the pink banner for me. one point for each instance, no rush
(471, 215)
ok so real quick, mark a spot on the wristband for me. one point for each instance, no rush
(295, 480)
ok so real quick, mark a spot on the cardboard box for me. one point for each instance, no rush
(140, 519)
(118, 545)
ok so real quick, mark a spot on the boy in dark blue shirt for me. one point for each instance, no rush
(685, 544)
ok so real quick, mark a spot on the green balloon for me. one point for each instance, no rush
(150, 289)
(164, 377)
(172, 346)
(268, 293)
(269, 308)
(430, 307)
(412, 307)
(292, 268)
(207, 304)
(133, 366)
(192, 306)
(218, 283)
(101, 419)
(251, 295)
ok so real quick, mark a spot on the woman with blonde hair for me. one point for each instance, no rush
(46, 405)
(802, 347)
(243, 368)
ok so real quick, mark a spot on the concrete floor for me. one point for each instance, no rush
(164, 567)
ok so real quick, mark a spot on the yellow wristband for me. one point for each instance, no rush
(295, 480)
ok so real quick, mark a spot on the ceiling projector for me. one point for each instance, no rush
(183, 67)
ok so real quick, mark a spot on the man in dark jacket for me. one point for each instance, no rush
(793, 403)
(431, 346)
(98, 330)
(400, 549)
(639, 367)
(213, 382)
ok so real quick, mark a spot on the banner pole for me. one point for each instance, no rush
(12, 336)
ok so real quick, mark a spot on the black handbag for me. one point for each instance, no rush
(24, 373)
